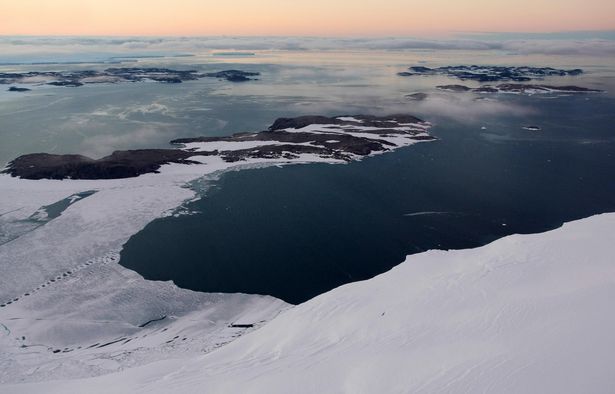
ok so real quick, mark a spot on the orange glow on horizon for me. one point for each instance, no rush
(311, 18)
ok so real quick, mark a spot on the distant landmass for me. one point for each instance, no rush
(233, 75)
(419, 96)
(234, 54)
(16, 89)
(518, 89)
(117, 75)
(492, 73)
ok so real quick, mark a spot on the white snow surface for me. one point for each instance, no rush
(524, 314)
(349, 119)
(404, 135)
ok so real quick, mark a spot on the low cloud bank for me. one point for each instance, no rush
(15, 49)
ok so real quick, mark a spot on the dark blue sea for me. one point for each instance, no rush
(298, 231)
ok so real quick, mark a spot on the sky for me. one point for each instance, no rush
(300, 17)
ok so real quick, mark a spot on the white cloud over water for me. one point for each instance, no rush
(64, 49)
(466, 109)
(100, 145)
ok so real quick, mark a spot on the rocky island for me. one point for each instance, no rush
(491, 73)
(118, 75)
(517, 88)
(234, 75)
(305, 138)
(17, 89)
(419, 96)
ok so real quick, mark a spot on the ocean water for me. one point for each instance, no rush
(297, 231)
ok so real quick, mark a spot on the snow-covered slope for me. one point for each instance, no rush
(525, 314)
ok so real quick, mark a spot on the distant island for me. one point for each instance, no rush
(233, 75)
(16, 89)
(117, 75)
(305, 138)
(233, 54)
(419, 96)
(492, 73)
(518, 88)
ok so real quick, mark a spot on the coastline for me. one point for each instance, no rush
(114, 301)
(503, 307)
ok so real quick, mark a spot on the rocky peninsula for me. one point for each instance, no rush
(491, 73)
(119, 75)
(305, 138)
(517, 88)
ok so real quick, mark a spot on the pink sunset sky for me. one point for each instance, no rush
(300, 17)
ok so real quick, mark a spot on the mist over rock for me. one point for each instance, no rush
(16, 89)
(307, 138)
(518, 88)
(491, 73)
(234, 75)
(120, 164)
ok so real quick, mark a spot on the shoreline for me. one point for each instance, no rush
(491, 282)
(87, 231)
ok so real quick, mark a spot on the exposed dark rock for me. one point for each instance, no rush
(16, 89)
(485, 89)
(340, 138)
(421, 69)
(137, 74)
(454, 88)
(71, 84)
(123, 74)
(167, 79)
(417, 96)
(233, 75)
(523, 88)
(152, 321)
(120, 164)
(278, 151)
(492, 73)
(518, 88)
(418, 70)
(362, 120)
